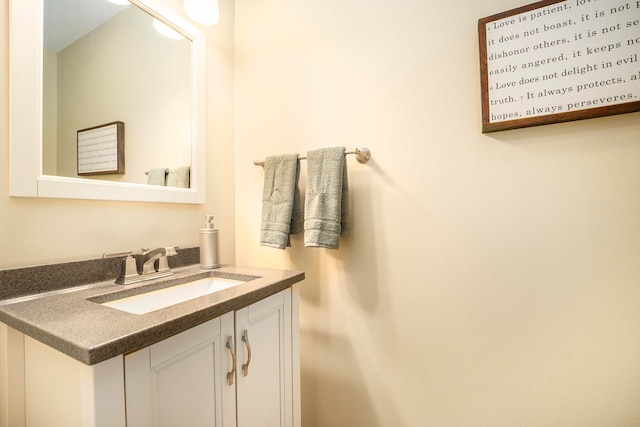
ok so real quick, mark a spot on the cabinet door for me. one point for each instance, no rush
(264, 372)
(182, 380)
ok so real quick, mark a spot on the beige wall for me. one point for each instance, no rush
(490, 280)
(37, 231)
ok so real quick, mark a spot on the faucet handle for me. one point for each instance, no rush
(117, 254)
(163, 262)
(128, 270)
(128, 267)
(171, 250)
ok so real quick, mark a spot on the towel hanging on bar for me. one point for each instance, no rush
(157, 176)
(326, 207)
(281, 210)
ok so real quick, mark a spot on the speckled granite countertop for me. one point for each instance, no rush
(74, 322)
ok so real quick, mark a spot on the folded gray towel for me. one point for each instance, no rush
(179, 177)
(326, 207)
(157, 176)
(281, 211)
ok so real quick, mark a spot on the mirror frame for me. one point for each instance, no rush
(25, 116)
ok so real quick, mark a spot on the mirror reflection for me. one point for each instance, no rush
(105, 63)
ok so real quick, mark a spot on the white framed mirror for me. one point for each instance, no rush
(41, 168)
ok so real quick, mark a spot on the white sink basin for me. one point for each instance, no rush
(155, 300)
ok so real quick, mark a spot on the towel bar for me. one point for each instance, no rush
(147, 172)
(362, 156)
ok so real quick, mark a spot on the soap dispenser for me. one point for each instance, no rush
(209, 255)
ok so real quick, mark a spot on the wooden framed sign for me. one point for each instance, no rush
(556, 61)
(101, 149)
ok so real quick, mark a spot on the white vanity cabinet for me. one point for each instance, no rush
(188, 379)
(191, 379)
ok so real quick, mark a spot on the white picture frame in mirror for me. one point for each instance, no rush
(25, 121)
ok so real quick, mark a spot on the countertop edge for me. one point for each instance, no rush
(139, 331)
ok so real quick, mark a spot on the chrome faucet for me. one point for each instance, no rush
(145, 262)
(150, 264)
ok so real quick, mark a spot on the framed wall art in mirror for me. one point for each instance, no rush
(101, 150)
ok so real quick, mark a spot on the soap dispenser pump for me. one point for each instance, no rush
(209, 255)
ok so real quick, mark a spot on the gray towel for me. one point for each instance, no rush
(157, 176)
(326, 207)
(281, 211)
(179, 177)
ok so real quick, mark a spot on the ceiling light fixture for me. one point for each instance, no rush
(205, 12)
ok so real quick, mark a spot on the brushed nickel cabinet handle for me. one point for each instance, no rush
(245, 366)
(231, 374)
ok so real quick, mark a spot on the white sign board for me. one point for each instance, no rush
(556, 61)
(101, 149)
